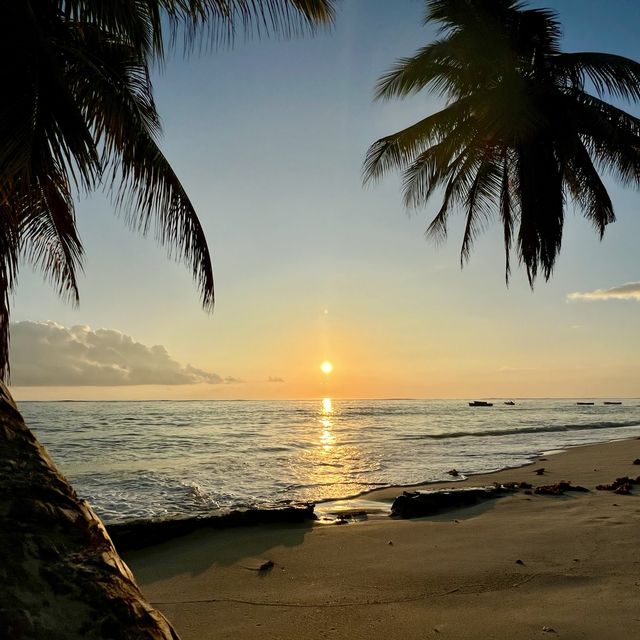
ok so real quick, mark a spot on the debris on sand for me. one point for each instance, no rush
(262, 567)
(621, 486)
(558, 489)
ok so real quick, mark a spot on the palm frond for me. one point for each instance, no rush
(436, 66)
(218, 22)
(609, 74)
(194, 23)
(541, 205)
(9, 262)
(43, 124)
(459, 177)
(587, 189)
(116, 92)
(506, 213)
(401, 148)
(481, 195)
(455, 15)
(448, 68)
(150, 192)
(611, 136)
(138, 24)
(49, 237)
(435, 165)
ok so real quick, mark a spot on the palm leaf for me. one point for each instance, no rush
(459, 177)
(506, 213)
(481, 195)
(541, 208)
(49, 237)
(610, 74)
(9, 262)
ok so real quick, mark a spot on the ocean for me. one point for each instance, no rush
(165, 459)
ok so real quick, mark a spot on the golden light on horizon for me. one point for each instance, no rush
(327, 405)
(326, 367)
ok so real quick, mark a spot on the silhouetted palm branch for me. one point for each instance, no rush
(78, 114)
(525, 128)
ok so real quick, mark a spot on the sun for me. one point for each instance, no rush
(326, 367)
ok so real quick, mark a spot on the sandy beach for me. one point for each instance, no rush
(521, 566)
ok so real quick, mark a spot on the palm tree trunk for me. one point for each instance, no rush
(60, 575)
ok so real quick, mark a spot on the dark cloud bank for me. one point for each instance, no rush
(48, 354)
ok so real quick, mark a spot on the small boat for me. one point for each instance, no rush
(609, 402)
(585, 404)
(510, 403)
(480, 403)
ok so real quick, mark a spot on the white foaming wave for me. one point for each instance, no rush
(554, 428)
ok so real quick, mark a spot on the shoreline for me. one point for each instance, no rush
(332, 508)
(506, 568)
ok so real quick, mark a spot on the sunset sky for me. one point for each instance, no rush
(310, 266)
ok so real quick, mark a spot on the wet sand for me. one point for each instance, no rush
(522, 566)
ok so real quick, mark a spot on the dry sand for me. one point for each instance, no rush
(454, 575)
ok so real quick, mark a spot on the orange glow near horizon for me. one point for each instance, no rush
(326, 367)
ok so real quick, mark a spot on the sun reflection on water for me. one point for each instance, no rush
(327, 438)
(333, 461)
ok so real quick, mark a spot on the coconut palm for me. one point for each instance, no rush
(77, 114)
(525, 129)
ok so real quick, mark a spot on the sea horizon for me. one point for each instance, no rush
(337, 397)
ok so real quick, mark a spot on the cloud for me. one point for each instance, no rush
(628, 291)
(275, 379)
(48, 354)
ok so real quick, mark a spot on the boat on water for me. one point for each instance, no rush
(609, 402)
(510, 403)
(480, 403)
(585, 404)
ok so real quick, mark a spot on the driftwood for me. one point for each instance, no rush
(61, 578)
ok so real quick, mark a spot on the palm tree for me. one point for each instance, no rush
(525, 130)
(78, 114)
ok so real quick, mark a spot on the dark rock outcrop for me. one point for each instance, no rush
(61, 578)
(142, 533)
(420, 504)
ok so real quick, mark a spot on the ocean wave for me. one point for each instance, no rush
(552, 428)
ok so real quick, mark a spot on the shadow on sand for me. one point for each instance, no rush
(196, 552)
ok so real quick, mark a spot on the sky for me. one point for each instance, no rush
(269, 139)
